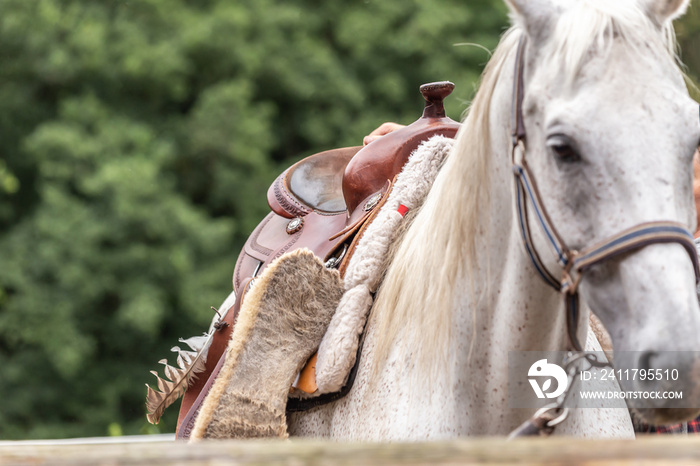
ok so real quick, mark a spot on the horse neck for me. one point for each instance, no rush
(460, 274)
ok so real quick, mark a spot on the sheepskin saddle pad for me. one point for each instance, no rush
(281, 323)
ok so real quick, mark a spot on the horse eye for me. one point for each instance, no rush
(563, 148)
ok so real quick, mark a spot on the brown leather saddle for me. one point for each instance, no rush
(322, 203)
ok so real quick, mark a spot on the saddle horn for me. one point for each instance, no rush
(380, 160)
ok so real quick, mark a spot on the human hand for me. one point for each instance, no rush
(383, 129)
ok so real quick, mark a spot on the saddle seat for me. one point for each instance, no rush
(322, 203)
(317, 181)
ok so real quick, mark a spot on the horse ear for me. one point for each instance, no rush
(534, 16)
(661, 11)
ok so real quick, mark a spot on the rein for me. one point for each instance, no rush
(573, 263)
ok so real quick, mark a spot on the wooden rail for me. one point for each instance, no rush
(662, 450)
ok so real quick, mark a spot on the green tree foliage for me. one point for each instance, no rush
(137, 141)
(688, 33)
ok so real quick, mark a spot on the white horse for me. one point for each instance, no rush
(611, 132)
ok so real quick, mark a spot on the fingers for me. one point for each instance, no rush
(383, 129)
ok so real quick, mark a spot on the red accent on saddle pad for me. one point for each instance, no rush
(403, 210)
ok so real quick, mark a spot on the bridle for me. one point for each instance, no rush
(574, 263)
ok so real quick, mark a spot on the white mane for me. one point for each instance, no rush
(415, 301)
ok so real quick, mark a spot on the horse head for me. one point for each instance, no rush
(611, 133)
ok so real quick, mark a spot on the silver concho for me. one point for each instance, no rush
(295, 225)
(373, 201)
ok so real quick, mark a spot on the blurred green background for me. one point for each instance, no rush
(137, 142)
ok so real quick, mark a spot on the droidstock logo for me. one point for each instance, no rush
(542, 369)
